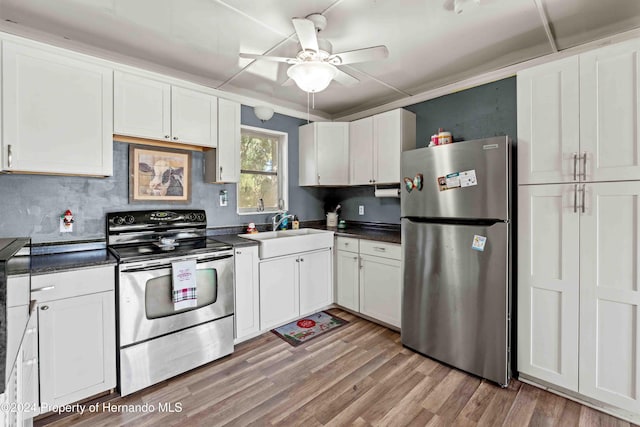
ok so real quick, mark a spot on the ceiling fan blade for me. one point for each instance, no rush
(306, 32)
(359, 55)
(345, 78)
(269, 58)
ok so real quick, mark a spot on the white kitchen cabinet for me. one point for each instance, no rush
(324, 154)
(228, 152)
(279, 291)
(57, 113)
(548, 283)
(315, 281)
(375, 145)
(610, 294)
(549, 122)
(577, 118)
(381, 289)
(148, 108)
(247, 292)
(76, 333)
(347, 273)
(578, 293)
(30, 375)
(294, 285)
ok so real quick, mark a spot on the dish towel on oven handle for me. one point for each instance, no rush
(185, 294)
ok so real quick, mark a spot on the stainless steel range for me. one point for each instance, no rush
(157, 338)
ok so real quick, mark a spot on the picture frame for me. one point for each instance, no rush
(159, 175)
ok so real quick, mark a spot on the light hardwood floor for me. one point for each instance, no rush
(357, 375)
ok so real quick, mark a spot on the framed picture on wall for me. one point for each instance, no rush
(159, 175)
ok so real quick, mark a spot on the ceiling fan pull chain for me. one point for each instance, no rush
(313, 100)
(308, 108)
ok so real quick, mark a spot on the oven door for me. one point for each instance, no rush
(146, 309)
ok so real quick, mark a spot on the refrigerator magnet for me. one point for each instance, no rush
(453, 180)
(478, 243)
(468, 178)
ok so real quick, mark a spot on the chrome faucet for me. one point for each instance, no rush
(275, 221)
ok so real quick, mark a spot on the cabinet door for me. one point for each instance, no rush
(194, 117)
(381, 289)
(307, 169)
(609, 112)
(548, 283)
(247, 312)
(279, 299)
(361, 151)
(77, 347)
(549, 123)
(57, 113)
(610, 294)
(315, 281)
(332, 153)
(387, 133)
(228, 141)
(347, 283)
(142, 107)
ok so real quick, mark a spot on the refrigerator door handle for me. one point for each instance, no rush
(584, 166)
(583, 198)
(575, 166)
(575, 198)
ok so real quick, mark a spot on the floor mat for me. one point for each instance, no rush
(307, 328)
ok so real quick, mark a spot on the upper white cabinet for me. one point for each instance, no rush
(375, 144)
(57, 113)
(324, 154)
(228, 153)
(152, 109)
(577, 118)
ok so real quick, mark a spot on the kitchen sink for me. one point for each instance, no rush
(287, 242)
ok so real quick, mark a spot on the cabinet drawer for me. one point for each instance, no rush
(386, 250)
(347, 244)
(49, 287)
(17, 291)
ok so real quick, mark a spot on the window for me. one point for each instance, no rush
(263, 166)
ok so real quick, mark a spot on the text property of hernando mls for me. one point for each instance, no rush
(77, 408)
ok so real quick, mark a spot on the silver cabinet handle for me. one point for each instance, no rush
(380, 249)
(175, 138)
(583, 197)
(584, 166)
(297, 260)
(46, 288)
(9, 156)
(575, 166)
(318, 179)
(575, 198)
(44, 307)
(167, 137)
(355, 258)
(30, 362)
(346, 243)
(220, 172)
(301, 259)
(238, 252)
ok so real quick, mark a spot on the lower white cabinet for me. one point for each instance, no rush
(294, 285)
(578, 293)
(369, 278)
(77, 334)
(247, 292)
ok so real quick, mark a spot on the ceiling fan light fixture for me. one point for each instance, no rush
(312, 76)
(263, 112)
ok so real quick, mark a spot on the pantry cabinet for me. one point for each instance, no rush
(369, 278)
(295, 285)
(228, 152)
(577, 118)
(324, 154)
(77, 333)
(375, 145)
(247, 292)
(153, 109)
(57, 113)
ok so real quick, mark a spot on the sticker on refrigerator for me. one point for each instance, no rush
(478, 243)
(468, 178)
(449, 181)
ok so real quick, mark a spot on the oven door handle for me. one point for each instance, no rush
(163, 266)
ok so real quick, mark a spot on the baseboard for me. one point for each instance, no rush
(583, 400)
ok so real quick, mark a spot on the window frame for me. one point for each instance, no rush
(283, 168)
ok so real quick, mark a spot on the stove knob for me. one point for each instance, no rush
(191, 216)
(118, 220)
(200, 217)
(129, 219)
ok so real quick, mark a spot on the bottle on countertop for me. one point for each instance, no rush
(295, 224)
(285, 221)
(444, 137)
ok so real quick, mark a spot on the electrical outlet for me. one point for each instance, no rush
(361, 210)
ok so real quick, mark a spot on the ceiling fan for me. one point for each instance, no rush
(315, 66)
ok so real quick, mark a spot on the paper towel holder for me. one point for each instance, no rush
(386, 192)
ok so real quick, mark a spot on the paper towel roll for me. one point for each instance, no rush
(387, 192)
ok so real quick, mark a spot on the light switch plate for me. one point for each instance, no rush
(361, 210)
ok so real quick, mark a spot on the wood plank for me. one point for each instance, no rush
(479, 402)
(523, 406)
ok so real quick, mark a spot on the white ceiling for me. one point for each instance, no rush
(429, 46)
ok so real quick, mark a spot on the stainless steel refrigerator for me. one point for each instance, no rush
(456, 240)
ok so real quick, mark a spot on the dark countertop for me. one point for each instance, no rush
(235, 240)
(389, 233)
(43, 264)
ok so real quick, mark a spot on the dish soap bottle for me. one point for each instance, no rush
(295, 224)
(285, 221)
